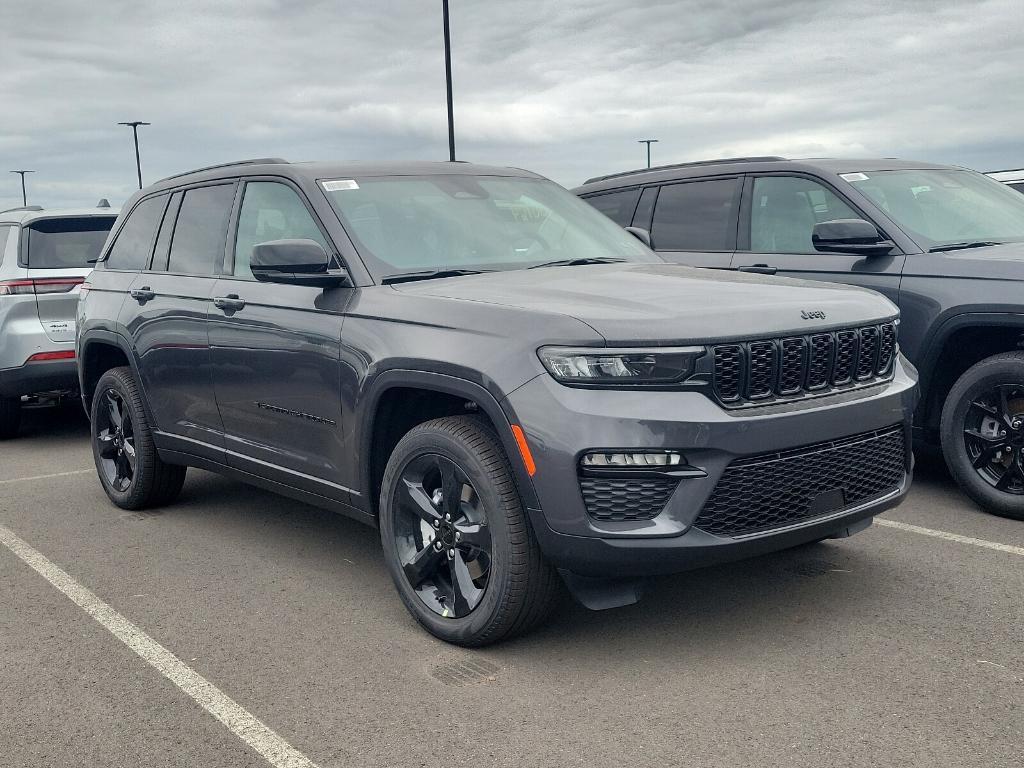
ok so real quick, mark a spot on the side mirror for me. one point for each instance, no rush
(640, 234)
(850, 236)
(295, 262)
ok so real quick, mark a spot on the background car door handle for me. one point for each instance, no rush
(142, 295)
(229, 303)
(761, 269)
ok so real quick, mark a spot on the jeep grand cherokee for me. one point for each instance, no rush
(514, 390)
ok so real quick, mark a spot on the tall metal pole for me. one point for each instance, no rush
(135, 135)
(448, 82)
(648, 142)
(24, 195)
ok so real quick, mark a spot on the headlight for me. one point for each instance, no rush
(622, 367)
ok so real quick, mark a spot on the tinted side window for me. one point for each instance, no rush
(197, 246)
(617, 206)
(784, 210)
(696, 216)
(6, 236)
(271, 211)
(134, 242)
(1019, 186)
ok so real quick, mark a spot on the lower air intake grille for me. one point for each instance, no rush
(621, 499)
(775, 490)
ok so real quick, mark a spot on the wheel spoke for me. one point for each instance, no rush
(467, 594)
(129, 454)
(983, 406)
(424, 565)
(1004, 407)
(985, 457)
(475, 536)
(416, 500)
(114, 410)
(105, 445)
(451, 488)
(986, 439)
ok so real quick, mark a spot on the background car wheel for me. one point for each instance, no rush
(129, 468)
(982, 433)
(10, 417)
(456, 538)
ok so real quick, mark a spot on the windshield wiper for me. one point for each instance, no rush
(577, 262)
(430, 274)
(961, 246)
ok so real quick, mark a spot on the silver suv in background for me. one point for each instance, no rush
(45, 255)
(1012, 178)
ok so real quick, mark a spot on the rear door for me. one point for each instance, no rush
(777, 217)
(58, 254)
(692, 222)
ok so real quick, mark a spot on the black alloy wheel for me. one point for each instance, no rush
(115, 441)
(994, 437)
(441, 536)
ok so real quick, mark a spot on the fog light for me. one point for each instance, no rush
(639, 459)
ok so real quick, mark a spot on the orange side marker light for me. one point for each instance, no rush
(524, 450)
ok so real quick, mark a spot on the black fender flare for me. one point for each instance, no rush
(96, 336)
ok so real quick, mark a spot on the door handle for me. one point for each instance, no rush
(143, 294)
(760, 269)
(229, 303)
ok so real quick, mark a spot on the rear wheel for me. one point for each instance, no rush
(10, 417)
(126, 460)
(983, 434)
(456, 538)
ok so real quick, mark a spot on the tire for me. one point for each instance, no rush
(988, 390)
(150, 482)
(520, 588)
(10, 417)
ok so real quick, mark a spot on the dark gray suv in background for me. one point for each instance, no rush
(512, 388)
(945, 244)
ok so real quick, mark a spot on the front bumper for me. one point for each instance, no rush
(44, 376)
(562, 423)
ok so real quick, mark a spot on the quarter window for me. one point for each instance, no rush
(134, 243)
(617, 206)
(197, 246)
(784, 210)
(8, 242)
(696, 216)
(271, 211)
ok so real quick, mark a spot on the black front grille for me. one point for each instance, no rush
(758, 371)
(618, 499)
(775, 490)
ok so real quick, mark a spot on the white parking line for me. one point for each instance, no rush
(278, 752)
(951, 536)
(46, 477)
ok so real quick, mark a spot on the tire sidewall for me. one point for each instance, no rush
(463, 630)
(114, 380)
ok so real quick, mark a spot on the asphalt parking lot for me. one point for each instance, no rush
(892, 648)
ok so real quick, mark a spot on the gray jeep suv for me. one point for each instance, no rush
(512, 388)
(945, 244)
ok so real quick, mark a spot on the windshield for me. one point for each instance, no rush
(404, 224)
(945, 207)
(68, 243)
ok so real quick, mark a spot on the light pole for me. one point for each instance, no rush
(135, 134)
(24, 196)
(648, 142)
(448, 81)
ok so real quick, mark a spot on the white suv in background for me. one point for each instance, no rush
(44, 257)
(1012, 178)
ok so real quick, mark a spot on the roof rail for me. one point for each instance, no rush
(254, 161)
(24, 208)
(765, 159)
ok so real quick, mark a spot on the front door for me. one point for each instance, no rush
(276, 353)
(776, 222)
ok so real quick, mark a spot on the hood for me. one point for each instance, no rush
(667, 303)
(996, 262)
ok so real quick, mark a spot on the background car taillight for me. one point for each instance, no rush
(40, 357)
(39, 285)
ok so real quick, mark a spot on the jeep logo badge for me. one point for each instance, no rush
(814, 314)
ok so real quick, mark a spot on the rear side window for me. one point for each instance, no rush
(696, 216)
(71, 243)
(197, 246)
(617, 206)
(8, 242)
(134, 242)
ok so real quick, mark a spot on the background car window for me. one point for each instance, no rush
(134, 242)
(67, 242)
(617, 206)
(197, 246)
(784, 210)
(271, 211)
(1018, 187)
(696, 216)
(6, 235)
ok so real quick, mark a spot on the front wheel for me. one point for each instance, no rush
(982, 433)
(456, 538)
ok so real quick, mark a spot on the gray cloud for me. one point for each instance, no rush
(565, 88)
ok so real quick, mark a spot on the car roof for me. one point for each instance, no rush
(736, 165)
(326, 170)
(34, 213)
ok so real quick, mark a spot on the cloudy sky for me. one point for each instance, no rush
(562, 87)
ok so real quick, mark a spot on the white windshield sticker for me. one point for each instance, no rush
(854, 176)
(339, 184)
